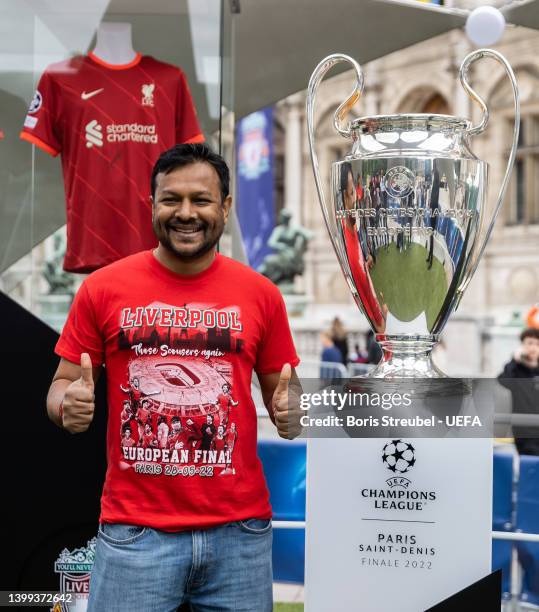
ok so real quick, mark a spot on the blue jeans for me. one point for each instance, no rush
(224, 569)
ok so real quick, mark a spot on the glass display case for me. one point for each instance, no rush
(91, 94)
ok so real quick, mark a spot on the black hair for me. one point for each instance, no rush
(531, 332)
(346, 169)
(185, 154)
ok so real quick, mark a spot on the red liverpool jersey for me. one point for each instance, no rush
(110, 123)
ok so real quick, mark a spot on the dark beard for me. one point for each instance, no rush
(207, 245)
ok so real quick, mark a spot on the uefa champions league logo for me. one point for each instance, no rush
(398, 456)
(399, 181)
(36, 102)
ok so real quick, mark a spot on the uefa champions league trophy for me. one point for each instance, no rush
(407, 216)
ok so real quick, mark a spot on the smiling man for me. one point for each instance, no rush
(178, 523)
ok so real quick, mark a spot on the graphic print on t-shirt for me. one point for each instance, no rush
(178, 413)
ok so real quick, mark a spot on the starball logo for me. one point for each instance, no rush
(114, 133)
(399, 457)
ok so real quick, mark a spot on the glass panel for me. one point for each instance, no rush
(231, 244)
(16, 163)
(109, 116)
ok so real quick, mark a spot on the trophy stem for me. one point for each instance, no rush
(406, 357)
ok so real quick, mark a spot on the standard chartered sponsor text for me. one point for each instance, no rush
(134, 132)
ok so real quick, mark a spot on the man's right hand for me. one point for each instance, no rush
(78, 404)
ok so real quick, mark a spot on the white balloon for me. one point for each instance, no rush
(485, 25)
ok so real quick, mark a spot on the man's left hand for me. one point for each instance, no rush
(285, 406)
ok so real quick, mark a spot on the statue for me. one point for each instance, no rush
(60, 282)
(289, 243)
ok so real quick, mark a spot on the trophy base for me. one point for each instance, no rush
(406, 356)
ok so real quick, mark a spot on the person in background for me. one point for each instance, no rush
(517, 376)
(340, 340)
(358, 356)
(330, 354)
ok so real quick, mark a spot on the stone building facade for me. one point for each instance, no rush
(424, 78)
(421, 78)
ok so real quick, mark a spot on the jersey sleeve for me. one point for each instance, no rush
(40, 126)
(277, 346)
(81, 333)
(187, 127)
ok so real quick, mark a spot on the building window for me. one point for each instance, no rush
(523, 192)
(436, 105)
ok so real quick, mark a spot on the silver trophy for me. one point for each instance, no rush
(407, 216)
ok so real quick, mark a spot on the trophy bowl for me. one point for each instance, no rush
(407, 216)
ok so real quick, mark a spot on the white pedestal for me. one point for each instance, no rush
(378, 540)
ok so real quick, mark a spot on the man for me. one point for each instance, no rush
(224, 402)
(176, 436)
(174, 532)
(148, 439)
(192, 433)
(127, 440)
(135, 393)
(208, 431)
(143, 416)
(126, 415)
(162, 431)
(231, 437)
(219, 442)
(330, 354)
(521, 377)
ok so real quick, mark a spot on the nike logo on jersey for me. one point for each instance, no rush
(91, 94)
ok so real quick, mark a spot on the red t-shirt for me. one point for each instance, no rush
(219, 443)
(110, 123)
(133, 316)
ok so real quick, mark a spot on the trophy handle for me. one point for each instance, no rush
(477, 129)
(338, 119)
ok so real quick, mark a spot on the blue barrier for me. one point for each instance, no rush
(528, 521)
(502, 494)
(285, 465)
(285, 468)
(502, 552)
(289, 555)
(502, 517)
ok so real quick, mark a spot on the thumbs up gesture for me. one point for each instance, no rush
(78, 403)
(285, 405)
